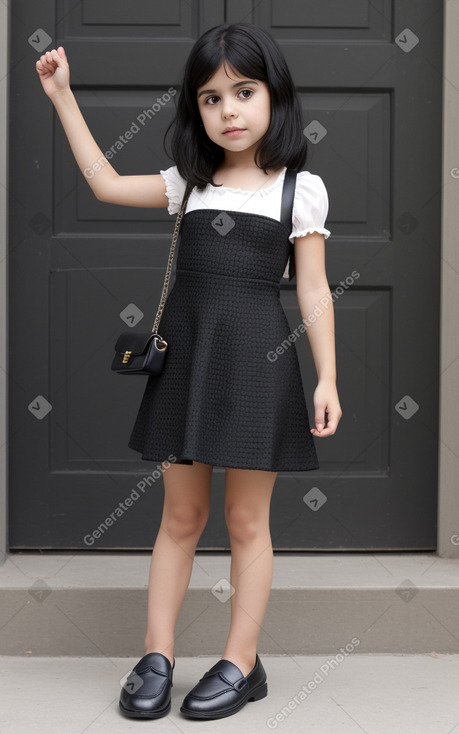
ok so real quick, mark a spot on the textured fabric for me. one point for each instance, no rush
(310, 205)
(220, 400)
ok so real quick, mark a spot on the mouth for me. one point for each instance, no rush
(232, 131)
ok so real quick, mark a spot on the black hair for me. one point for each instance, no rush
(252, 52)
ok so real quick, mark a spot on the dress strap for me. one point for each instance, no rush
(288, 194)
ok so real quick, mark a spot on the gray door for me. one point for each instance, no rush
(369, 77)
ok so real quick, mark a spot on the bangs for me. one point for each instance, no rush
(244, 59)
(238, 54)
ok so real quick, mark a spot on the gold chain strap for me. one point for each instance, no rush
(169, 266)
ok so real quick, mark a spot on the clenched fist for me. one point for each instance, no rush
(54, 72)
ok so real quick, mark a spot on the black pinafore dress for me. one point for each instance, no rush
(225, 397)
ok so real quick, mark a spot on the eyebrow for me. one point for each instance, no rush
(238, 84)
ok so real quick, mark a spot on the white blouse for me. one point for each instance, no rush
(310, 204)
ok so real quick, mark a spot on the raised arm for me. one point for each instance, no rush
(106, 184)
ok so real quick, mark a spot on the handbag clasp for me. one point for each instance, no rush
(126, 356)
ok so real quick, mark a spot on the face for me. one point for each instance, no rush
(234, 102)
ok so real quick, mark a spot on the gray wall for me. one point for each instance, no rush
(448, 516)
(4, 86)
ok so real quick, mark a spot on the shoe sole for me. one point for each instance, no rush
(131, 713)
(255, 695)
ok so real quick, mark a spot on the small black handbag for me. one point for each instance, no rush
(144, 353)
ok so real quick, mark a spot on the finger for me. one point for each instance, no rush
(332, 424)
(319, 418)
(59, 58)
(45, 62)
(56, 58)
(334, 418)
(322, 434)
(330, 429)
(44, 67)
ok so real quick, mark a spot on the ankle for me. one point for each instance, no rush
(244, 660)
(167, 653)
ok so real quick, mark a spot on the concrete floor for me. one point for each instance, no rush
(376, 694)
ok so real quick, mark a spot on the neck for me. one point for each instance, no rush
(244, 159)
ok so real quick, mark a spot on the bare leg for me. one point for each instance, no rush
(247, 502)
(185, 514)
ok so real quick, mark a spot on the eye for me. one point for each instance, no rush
(246, 94)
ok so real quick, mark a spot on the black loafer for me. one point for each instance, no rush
(147, 690)
(223, 690)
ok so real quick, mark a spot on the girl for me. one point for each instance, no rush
(230, 393)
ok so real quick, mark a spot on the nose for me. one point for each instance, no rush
(228, 109)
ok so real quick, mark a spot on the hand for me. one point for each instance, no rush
(327, 410)
(53, 70)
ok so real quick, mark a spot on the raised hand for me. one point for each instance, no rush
(147, 190)
(54, 72)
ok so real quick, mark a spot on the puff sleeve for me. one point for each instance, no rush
(310, 209)
(175, 188)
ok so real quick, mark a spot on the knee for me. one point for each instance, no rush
(184, 522)
(243, 524)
